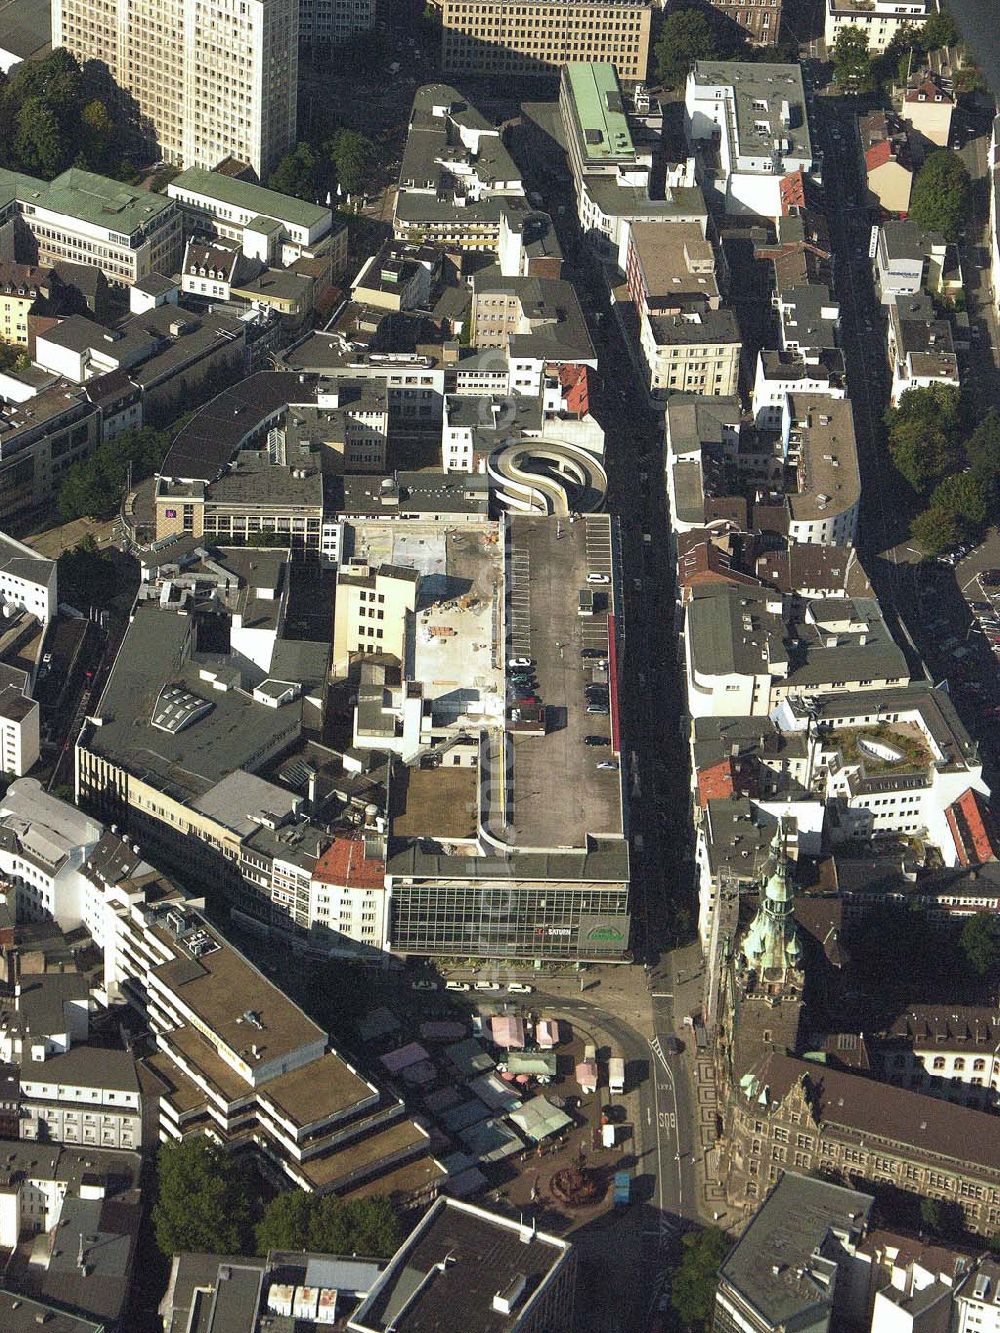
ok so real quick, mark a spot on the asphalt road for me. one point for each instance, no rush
(654, 753)
(977, 22)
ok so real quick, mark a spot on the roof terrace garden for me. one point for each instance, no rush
(885, 749)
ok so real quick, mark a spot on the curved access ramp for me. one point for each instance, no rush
(547, 477)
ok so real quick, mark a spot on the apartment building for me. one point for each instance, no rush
(456, 178)
(45, 845)
(758, 20)
(793, 471)
(39, 440)
(538, 36)
(977, 1304)
(83, 218)
(21, 288)
(691, 352)
(27, 579)
(375, 610)
(66, 1090)
(213, 81)
(528, 1285)
(20, 741)
(746, 651)
(817, 1229)
(235, 1057)
(749, 127)
(52, 1193)
(879, 20)
(333, 22)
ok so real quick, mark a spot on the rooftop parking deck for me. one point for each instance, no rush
(559, 794)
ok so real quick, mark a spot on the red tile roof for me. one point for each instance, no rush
(878, 155)
(793, 192)
(576, 382)
(972, 828)
(344, 863)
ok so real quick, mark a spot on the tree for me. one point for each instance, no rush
(94, 488)
(980, 943)
(939, 30)
(942, 194)
(359, 1226)
(295, 174)
(693, 1292)
(936, 530)
(852, 65)
(202, 1202)
(38, 140)
(982, 449)
(285, 1223)
(923, 434)
(351, 155)
(963, 495)
(328, 1225)
(686, 36)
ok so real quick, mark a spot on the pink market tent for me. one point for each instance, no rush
(404, 1056)
(547, 1033)
(508, 1031)
(586, 1075)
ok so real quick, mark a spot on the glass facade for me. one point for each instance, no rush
(516, 921)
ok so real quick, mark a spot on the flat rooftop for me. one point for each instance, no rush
(319, 1091)
(760, 94)
(439, 803)
(250, 198)
(221, 986)
(560, 795)
(451, 1268)
(154, 653)
(358, 1158)
(787, 1253)
(829, 480)
(602, 126)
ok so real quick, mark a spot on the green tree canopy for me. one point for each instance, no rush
(351, 154)
(942, 194)
(936, 531)
(285, 1222)
(296, 173)
(980, 943)
(95, 487)
(54, 114)
(686, 36)
(693, 1291)
(852, 65)
(202, 1200)
(963, 495)
(924, 434)
(939, 30)
(982, 449)
(299, 1221)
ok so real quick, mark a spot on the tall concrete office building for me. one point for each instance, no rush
(216, 78)
(538, 36)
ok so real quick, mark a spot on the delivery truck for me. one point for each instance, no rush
(616, 1074)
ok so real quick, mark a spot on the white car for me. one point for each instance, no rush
(520, 988)
(457, 985)
(598, 578)
(486, 985)
(515, 662)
